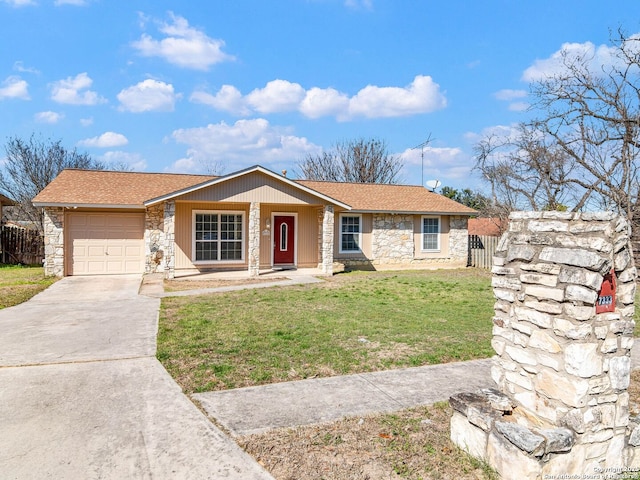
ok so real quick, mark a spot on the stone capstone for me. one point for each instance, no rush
(522, 437)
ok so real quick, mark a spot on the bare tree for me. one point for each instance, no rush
(358, 161)
(31, 165)
(581, 150)
(524, 171)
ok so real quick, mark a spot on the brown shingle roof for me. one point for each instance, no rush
(97, 187)
(108, 188)
(388, 198)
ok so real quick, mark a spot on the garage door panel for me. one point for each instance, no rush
(105, 243)
(132, 251)
(91, 251)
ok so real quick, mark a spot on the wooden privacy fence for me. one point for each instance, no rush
(482, 248)
(20, 246)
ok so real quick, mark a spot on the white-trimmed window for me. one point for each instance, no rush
(218, 236)
(350, 233)
(430, 234)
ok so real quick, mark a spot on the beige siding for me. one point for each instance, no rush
(444, 238)
(306, 228)
(184, 230)
(256, 187)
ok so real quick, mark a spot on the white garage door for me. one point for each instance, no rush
(105, 243)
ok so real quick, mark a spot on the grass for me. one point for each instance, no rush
(18, 284)
(355, 322)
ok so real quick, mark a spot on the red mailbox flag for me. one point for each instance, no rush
(607, 297)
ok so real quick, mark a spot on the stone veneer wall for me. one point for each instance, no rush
(253, 235)
(565, 368)
(169, 239)
(459, 237)
(327, 239)
(154, 240)
(393, 245)
(392, 238)
(54, 241)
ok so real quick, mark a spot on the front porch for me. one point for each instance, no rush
(242, 274)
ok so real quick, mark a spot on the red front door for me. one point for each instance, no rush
(283, 240)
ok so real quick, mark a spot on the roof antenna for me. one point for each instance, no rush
(421, 147)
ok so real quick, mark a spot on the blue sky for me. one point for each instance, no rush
(182, 86)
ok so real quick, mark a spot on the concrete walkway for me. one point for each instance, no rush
(257, 409)
(152, 286)
(82, 395)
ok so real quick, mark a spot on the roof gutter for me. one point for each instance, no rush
(416, 212)
(88, 205)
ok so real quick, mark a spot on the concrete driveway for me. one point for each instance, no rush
(82, 395)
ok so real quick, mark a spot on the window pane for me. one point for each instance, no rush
(283, 237)
(349, 233)
(231, 251)
(430, 233)
(206, 251)
(217, 236)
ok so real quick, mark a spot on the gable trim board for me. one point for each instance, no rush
(240, 209)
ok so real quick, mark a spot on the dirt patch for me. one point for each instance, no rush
(411, 444)
(188, 284)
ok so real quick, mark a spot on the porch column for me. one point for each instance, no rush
(169, 240)
(54, 241)
(327, 240)
(254, 239)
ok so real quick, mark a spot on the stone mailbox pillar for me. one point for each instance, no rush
(562, 370)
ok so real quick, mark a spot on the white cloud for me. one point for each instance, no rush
(518, 106)
(508, 94)
(106, 140)
(322, 102)
(85, 122)
(77, 3)
(359, 4)
(594, 57)
(228, 99)
(133, 161)
(440, 163)
(75, 91)
(148, 96)
(245, 143)
(184, 46)
(18, 66)
(20, 3)
(276, 96)
(48, 117)
(423, 95)
(14, 87)
(507, 132)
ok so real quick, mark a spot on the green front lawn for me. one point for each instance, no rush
(355, 322)
(18, 284)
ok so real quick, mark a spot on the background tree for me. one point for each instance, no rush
(468, 197)
(525, 171)
(358, 161)
(581, 149)
(30, 165)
